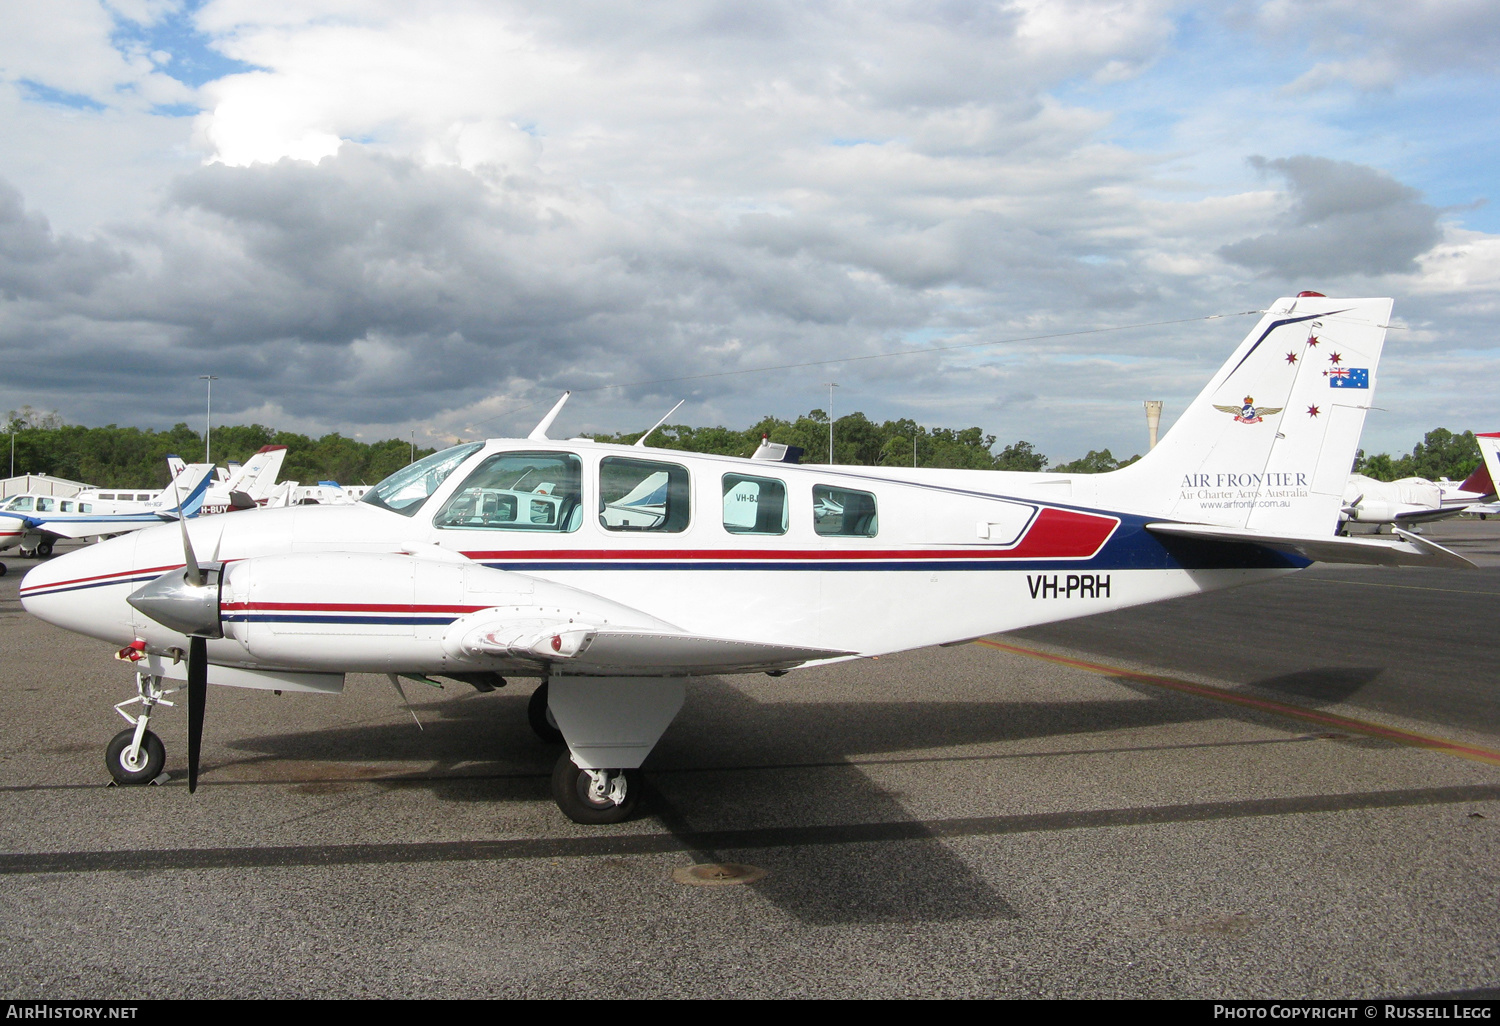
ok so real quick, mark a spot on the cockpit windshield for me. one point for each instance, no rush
(405, 490)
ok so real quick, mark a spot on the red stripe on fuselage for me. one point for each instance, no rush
(105, 577)
(346, 607)
(1056, 534)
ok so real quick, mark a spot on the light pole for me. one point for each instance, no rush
(208, 419)
(831, 386)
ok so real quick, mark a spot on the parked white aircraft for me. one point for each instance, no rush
(324, 493)
(1415, 500)
(35, 522)
(614, 572)
(127, 500)
(251, 485)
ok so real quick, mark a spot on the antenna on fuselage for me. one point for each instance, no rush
(640, 443)
(539, 433)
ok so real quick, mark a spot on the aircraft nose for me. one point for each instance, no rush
(85, 590)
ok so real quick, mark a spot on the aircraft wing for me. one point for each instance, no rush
(89, 528)
(622, 651)
(1422, 516)
(1405, 550)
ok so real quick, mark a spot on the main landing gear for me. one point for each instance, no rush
(590, 796)
(610, 725)
(135, 755)
(543, 723)
(594, 796)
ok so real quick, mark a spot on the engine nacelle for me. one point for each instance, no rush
(383, 613)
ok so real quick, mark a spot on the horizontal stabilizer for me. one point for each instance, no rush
(1404, 550)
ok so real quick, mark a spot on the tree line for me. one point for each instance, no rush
(128, 457)
(859, 440)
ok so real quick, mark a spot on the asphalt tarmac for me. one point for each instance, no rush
(1284, 791)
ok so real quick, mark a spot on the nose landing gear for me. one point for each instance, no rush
(135, 755)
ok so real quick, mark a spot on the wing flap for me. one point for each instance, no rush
(1405, 549)
(624, 649)
(586, 649)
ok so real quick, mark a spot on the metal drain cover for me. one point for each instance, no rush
(717, 874)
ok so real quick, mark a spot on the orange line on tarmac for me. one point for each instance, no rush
(1405, 737)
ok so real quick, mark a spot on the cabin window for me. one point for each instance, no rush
(844, 512)
(754, 505)
(46, 505)
(21, 504)
(85, 507)
(643, 495)
(107, 495)
(518, 491)
(67, 507)
(407, 489)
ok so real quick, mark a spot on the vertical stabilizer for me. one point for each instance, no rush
(1486, 478)
(1269, 443)
(188, 487)
(261, 471)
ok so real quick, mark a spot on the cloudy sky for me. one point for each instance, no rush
(380, 217)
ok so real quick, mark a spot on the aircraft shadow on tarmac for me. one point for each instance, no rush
(714, 758)
(1323, 685)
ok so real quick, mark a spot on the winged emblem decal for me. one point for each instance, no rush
(1249, 413)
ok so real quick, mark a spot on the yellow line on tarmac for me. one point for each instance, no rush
(1401, 587)
(1405, 737)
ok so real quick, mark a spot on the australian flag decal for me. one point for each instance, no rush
(1349, 377)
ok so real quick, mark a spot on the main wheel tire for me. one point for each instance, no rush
(3, 571)
(570, 789)
(540, 717)
(44, 548)
(153, 756)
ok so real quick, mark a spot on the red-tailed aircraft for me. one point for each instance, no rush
(614, 572)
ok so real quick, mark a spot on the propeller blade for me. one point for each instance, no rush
(194, 575)
(197, 688)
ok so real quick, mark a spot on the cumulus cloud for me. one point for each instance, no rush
(65, 45)
(35, 263)
(1375, 46)
(386, 216)
(1345, 219)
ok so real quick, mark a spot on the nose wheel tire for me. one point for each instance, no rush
(147, 765)
(540, 717)
(593, 797)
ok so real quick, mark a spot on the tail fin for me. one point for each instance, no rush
(174, 466)
(1269, 443)
(261, 471)
(191, 484)
(1486, 478)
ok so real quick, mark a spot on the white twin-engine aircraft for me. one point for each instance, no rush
(614, 572)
